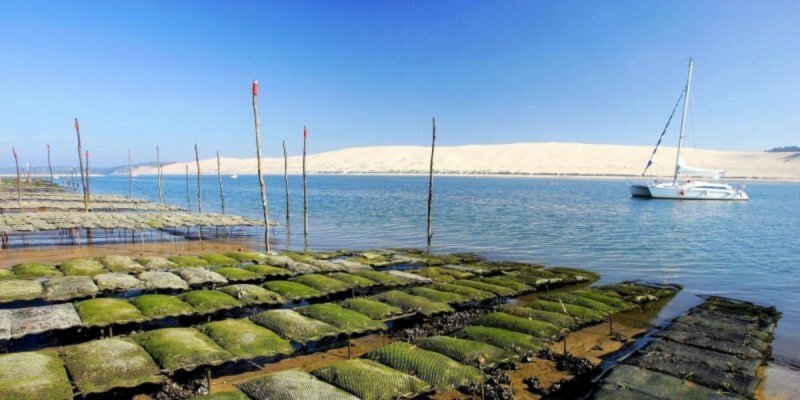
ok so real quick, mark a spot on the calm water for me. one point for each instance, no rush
(747, 250)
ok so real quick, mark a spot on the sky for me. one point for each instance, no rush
(363, 73)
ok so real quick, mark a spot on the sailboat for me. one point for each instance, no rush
(686, 188)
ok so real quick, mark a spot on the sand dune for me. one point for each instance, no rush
(513, 159)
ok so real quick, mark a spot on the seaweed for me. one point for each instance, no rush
(209, 300)
(268, 270)
(34, 376)
(294, 326)
(252, 294)
(161, 305)
(345, 319)
(560, 320)
(569, 298)
(465, 351)
(322, 283)
(220, 260)
(188, 261)
(231, 395)
(582, 314)
(487, 287)
(604, 297)
(410, 302)
(519, 343)
(438, 370)
(6, 274)
(182, 348)
(436, 295)
(156, 263)
(381, 277)
(247, 256)
(81, 267)
(517, 286)
(106, 311)
(371, 381)
(244, 339)
(532, 327)
(352, 280)
(372, 308)
(236, 274)
(19, 290)
(292, 385)
(292, 290)
(33, 271)
(121, 264)
(466, 291)
(102, 365)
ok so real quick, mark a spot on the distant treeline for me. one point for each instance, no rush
(784, 149)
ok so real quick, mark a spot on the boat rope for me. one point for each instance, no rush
(660, 138)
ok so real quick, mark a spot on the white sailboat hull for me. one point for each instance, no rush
(697, 191)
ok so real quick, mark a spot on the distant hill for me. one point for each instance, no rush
(517, 159)
(784, 149)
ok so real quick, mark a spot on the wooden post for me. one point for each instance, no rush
(80, 161)
(305, 191)
(28, 176)
(19, 181)
(199, 188)
(88, 186)
(50, 168)
(130, 176)
(261, 183)
(188, 201)
(286, 184)
(610, 325)
(219, 181)
(159, 176)
(430, 188)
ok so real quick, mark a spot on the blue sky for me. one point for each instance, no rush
(359, 73)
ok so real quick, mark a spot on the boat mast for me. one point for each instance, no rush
(683, 119)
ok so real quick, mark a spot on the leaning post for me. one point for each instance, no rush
(199, 188)
(261, 183)
(430, 187)
(219, 181)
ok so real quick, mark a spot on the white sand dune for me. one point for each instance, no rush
(512, 159)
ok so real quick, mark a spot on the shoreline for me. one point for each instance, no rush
(491, 175)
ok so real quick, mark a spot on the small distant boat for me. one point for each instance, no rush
(687, 189)
(234, 176)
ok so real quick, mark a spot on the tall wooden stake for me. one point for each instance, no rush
(159, 176)
(305, 190)
(199, 188)
(80, 161)
(430, 188)
(264, 204)
(286, 184)
(219, 181)
(188, 201)
(19, 180)
(88, 187)
(130, 176)
(50, 167)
